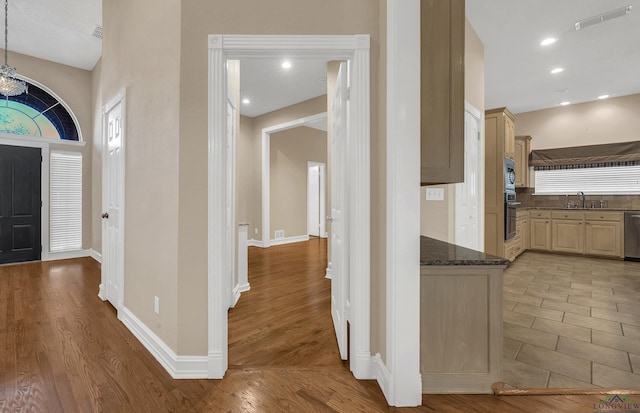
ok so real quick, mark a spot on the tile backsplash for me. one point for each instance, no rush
(525, 195)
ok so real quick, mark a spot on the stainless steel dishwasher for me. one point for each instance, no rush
(632, 235)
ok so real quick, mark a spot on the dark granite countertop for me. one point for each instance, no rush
(435, 252)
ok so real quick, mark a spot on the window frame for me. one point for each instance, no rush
(570, 181)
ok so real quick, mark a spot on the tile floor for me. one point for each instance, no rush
(571, 322)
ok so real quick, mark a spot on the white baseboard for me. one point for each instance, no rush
(179, 367)
(53, 256)
(95, 255)
(243, 288)
(382, 375)
(236, 295)
(254, 243)
(289, 240)
(328, 273)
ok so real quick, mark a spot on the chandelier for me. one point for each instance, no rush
(9, 84)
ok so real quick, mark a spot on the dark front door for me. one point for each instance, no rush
(19, 204)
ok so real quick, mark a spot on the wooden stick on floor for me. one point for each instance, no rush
(499, 390)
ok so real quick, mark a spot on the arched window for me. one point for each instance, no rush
(37, 113)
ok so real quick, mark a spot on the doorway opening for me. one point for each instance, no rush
(348, 48)
(316, 199)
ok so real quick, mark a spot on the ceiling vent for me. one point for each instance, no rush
(97, 32)
(612, 14)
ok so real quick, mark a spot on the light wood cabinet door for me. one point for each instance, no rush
(567, 236)
(540, 234)
(604, 233)
(522, 148)
(509, 137)
(442, 91)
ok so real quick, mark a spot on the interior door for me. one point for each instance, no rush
(467, 202)
(112, 244)
(20, 204)
(339, 267)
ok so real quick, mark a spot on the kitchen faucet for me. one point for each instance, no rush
(584, 201)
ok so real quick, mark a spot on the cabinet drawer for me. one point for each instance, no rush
(577, 215)
(603, 216)
(540, 214)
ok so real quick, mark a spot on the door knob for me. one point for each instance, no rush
(330, 218)
(105, 215)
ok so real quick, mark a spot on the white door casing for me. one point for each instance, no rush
(339, 207)
(112, 287)
(468, 198)
(230, 199)
(356, 49)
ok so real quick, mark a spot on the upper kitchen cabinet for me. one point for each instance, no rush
(442, 91)
(522, 149)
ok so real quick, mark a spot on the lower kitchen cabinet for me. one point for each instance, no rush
(577, 232)
(604, 234)
(519, 243)
(540, 230)
(567, 231)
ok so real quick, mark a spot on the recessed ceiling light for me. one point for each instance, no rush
(548, 41)
(246, 101)
(556, 70)
(565, 103)
(286, 64)
(562, 90)
(603, 96)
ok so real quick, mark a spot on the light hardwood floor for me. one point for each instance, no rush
(63, 350)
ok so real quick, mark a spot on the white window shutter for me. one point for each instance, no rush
(65, 192)
(611, 180)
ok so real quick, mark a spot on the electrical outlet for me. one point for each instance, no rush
(435, 194)
(255, 230)
(156, 304)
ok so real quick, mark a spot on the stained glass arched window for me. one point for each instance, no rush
(37, 113)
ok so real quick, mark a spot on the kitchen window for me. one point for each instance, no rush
(608, 169)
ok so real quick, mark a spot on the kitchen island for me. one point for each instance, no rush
(460, 318)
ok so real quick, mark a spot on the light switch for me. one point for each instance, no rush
(435, 194)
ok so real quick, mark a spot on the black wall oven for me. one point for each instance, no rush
(510, 205)
(510, 202)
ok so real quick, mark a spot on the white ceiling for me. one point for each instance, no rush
(56, 30)
(600, 59)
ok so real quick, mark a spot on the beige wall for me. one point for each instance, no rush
(437, 217)
(141, 50)
(289, 153)
(73, 86)
(603, 121)
(200, 18)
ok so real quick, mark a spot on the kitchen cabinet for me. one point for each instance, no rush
(521, 158)
(567, 234)
(509, 137)
(442, 91)
(518, 244)
(498, 123)
(540, 230)
(603, 234)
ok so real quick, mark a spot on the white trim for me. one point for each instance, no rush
(266, 167)
(403, 203)
(236, 295)
(255, 243)
(95, 255)
(340, 47)
(39, 140)
(65, 255)
(179, 367)
(381, 374)
(322, 171)
(289, 240)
